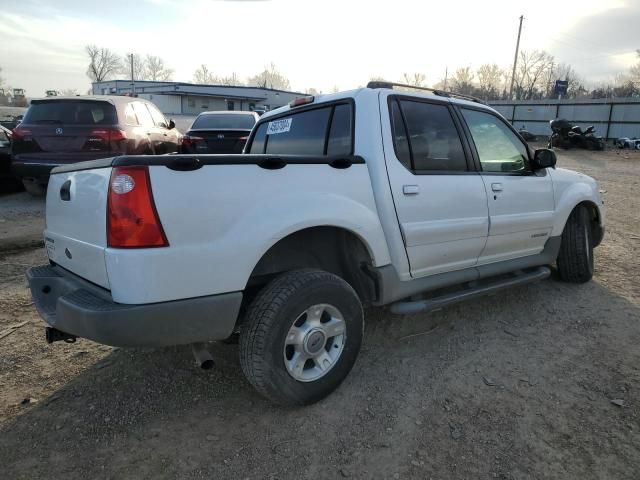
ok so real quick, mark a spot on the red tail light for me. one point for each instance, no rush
(19, 133)
(108, 134)
(132, 219)
(190, 140)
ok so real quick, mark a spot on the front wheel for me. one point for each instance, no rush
(575, 260)
(301, 336)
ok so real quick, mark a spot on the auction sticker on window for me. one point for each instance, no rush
(279, 126)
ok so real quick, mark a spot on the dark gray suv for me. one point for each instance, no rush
(61, 130)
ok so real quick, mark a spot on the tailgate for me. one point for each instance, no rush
(76, 232)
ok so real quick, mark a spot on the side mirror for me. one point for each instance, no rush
(172, 124)
(543, 158)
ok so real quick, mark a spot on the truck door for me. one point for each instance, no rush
(440, 200)
(521, 202)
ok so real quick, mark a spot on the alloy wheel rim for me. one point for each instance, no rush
(315, 342)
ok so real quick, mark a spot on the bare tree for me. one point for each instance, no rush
(462, 81)
(232, 80)
(335, 89)
(103, 63)
(139, 67)
(270, 77)
(204, 76)
(532, 74)
(635, 70)
(490, 80)
(415, 79)
(156, 70)
(312, 91)
(564, 71)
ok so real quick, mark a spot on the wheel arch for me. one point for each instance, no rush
(332, 248)
(595, 215)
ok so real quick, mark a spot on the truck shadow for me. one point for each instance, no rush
(152, 413)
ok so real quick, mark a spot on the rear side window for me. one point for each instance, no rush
(144, 117)
(433, 140)
(158, 118)
(400, 140)
(321, 131)
(129, 115)
(71, 112)
(339, 142)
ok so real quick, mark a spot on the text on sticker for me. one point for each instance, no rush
(279, 126)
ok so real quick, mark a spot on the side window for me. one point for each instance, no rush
(299, 134)
(158, 118)
(257, 146)
(400, 140)
(434, 142)
(499, 149)
(307, 133)
(144, 117)
(339, 142)
(129, 115)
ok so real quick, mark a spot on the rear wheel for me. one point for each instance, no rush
(575, 260)
(301, 336)
(34, 189)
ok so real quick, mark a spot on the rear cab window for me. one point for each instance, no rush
(326, 129)
(71, 112)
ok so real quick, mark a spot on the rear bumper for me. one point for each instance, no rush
(38, 167)
(38, 171)
(75, 306)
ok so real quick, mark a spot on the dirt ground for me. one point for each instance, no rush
(537, 382)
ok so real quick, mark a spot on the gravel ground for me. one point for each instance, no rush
(538, 382)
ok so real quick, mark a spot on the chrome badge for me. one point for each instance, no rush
(58, 131)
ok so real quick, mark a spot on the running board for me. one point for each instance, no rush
(436, 303)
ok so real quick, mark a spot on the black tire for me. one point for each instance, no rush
(34, 189)
(575, 260)
(268, 320)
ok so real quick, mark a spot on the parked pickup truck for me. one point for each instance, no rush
(376, 196)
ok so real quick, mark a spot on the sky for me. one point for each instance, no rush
(318, 44)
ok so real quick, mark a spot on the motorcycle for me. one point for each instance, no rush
(566, 135)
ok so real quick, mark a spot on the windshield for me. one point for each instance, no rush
(220, 121)
(71, 112)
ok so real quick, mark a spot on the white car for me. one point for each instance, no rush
(368, 197)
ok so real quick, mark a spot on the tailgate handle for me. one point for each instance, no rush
(65, 191)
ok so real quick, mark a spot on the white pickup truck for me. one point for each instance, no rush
(376, 196)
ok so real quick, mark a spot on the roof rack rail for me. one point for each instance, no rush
(435, 91)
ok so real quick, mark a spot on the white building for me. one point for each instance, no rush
(178, 98)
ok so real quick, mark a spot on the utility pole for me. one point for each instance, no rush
(515, 59)
(133, 84)
(446, 74)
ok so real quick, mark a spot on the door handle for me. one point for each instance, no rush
(496, 187)
(410, 189)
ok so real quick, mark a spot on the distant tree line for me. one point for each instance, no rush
(534, 79)
(535, 76)
(104, 64)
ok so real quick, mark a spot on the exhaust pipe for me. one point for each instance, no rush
(202, 356)
(55, 335)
